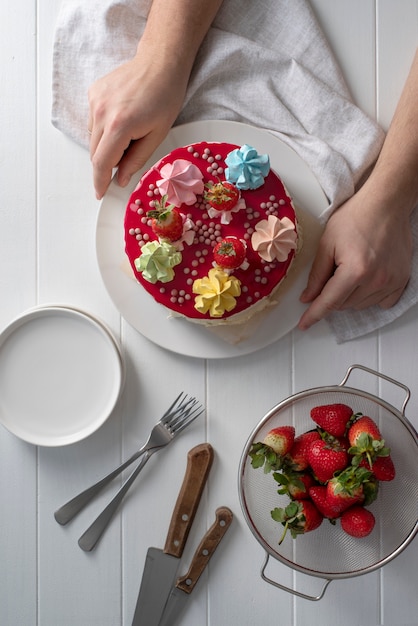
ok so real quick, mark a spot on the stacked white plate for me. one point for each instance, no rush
(61, 375)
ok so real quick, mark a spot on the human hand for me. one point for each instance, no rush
(363, 258)
(131, 111)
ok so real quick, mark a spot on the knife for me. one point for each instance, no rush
(185, 584)
(161, 565)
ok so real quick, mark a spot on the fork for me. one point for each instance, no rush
(178, 416)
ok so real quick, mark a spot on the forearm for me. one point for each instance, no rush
(175, 30)
(396, 171)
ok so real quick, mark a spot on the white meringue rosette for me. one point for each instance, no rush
(274, 238)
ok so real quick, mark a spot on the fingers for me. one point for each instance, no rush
(333, 297)
(341, 293)
(106, 151)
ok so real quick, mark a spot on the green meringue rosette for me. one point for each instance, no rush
(157, 261)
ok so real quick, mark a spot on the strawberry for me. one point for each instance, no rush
(318, 495)
(363, 424)
(327, 456)
(347, 488)
(222, 196)
(230, 253)
(294, 484)
(382, 467)
(358, 521)
(280, 439)
(300, 516)
(333, 418)
(166, 220)
(271, 451)
(366, 441)
(297, 459)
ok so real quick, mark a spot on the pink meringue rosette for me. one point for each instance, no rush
(181, 182)
(274, 238)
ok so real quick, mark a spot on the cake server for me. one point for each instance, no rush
(161, 565)
(185, 584)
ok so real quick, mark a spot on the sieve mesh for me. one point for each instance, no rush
(328, 551)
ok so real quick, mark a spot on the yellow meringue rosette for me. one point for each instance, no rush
(216, 292)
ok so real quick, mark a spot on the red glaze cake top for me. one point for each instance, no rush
(206, 250)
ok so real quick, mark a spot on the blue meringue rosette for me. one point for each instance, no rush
(246, 168)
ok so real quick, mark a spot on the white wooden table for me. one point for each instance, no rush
(47, 252)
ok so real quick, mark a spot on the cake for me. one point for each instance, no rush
(211, 232)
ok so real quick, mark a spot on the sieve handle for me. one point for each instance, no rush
(387, 378)
(293, 591)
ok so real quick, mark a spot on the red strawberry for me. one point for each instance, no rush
(300, 516)
(364, 425)
(318, 495)
(347, 488)
(167, 222)
(327, 456)
(222, 196)
(366, 441)
(272, 450)
(280, 439)
(357, 521)
(382, 467)
(230, 253)
(333, 418)
(297, 458)
(294, 484)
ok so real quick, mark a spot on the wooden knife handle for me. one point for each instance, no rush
(205, 549)
(199, 462)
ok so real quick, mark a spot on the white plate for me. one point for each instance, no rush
(149, 317)
(61, 374)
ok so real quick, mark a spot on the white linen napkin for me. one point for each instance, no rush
(264, 63)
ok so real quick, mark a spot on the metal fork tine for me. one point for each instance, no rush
(167, 413)
(180, 425)
(174, 410)
(183, 413)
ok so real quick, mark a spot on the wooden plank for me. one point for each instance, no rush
(349, 26)
(18, 460)
(397, 25)
(241, 392)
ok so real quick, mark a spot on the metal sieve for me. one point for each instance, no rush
(328, 552)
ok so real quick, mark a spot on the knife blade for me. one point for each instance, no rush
(185, 584)
(161, 565)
